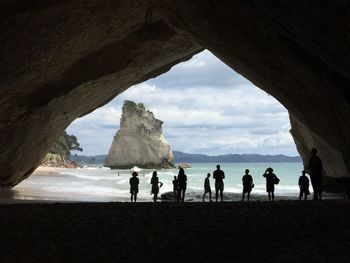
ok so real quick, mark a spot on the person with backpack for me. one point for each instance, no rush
(247, 181)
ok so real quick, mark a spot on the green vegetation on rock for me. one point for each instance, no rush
(64, 145)
(130, 103)
(141, 105)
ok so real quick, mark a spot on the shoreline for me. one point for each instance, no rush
(26, 193)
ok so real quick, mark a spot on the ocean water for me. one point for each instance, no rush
(104, 184)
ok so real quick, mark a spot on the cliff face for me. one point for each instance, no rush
(139, 141)
(60, 60)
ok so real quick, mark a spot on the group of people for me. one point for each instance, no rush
(134, 186)
(180, 183)
(314, 169)
(247, 181)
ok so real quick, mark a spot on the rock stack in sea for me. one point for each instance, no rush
(139, 141)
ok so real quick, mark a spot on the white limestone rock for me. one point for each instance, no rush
(139, 141)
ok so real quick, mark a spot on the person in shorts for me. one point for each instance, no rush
(247, 181)
(219, 176)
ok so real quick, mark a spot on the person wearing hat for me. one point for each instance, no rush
(271, 180)
(247, 181)
(134, 186)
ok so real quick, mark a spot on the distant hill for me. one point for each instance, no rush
(83, 159)
(181, 157)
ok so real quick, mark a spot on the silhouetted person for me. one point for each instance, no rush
(315, 168)
(175, 187)
(207, 188)
(271, 180)
(155, 186)
(303, 186)
(219, 176)
(347, 193)
(347, 189)
(247, 181)
(182, 178)
(134, 186)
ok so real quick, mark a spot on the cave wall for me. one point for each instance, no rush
(60, 60)
(297, 51)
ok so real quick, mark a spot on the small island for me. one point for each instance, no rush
(139, 141)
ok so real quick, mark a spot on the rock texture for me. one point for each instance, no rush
(60, 60)
(55, 160)
(139, 141)
(184, 165)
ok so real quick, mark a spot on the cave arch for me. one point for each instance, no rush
(207, 108)
(62, 59)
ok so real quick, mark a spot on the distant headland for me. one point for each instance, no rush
(233, 158)
(181, 157)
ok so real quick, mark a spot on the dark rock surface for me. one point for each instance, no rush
(63, 59)
(288, 231)
(168, 196)
(296, 51)
(60, 60)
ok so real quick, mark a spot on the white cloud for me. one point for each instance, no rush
(206, 108)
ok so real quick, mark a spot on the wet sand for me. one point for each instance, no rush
(284, 231)
(27, 193)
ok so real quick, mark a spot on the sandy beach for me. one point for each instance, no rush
(285, 231)
(26, 193)
(44, 170)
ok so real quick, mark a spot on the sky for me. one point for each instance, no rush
(206, 107)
